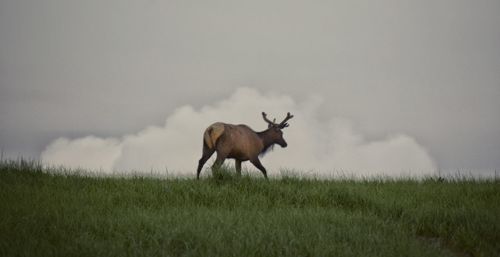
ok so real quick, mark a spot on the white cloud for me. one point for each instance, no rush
(88, 152)
(318, 145)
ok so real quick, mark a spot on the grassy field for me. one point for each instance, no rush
(45, 214)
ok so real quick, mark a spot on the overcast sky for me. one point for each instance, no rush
(429, 70)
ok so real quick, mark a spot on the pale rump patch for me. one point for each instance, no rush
(212, 133)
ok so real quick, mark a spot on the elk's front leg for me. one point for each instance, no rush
(256, 163)
(238, 167)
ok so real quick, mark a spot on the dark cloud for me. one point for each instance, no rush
(428, 69)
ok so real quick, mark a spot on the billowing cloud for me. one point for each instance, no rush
(88, 153)
(317, 145)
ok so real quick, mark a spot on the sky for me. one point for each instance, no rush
(375, 85)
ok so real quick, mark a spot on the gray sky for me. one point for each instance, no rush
(428, 69)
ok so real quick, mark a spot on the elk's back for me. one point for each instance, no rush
(243, 143)
(239, 141)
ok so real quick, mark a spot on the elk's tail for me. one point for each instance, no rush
(213, 133)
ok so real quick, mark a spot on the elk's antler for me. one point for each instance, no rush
(283, 124)
(264, 115)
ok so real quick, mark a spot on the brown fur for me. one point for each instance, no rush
(241, 143)
(213, 133)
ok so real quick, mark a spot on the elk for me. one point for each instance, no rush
(241, 143)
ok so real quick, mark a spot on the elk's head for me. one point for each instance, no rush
(275, 130)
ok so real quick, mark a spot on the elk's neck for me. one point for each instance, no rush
(267, 141)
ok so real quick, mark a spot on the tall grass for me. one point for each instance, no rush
(47, 213)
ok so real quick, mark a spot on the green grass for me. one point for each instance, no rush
(48, 214)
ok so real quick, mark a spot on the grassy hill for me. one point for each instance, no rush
(47, 214)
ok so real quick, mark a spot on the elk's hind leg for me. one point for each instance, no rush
(221, 157)
(256, 163)
(207, 153)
